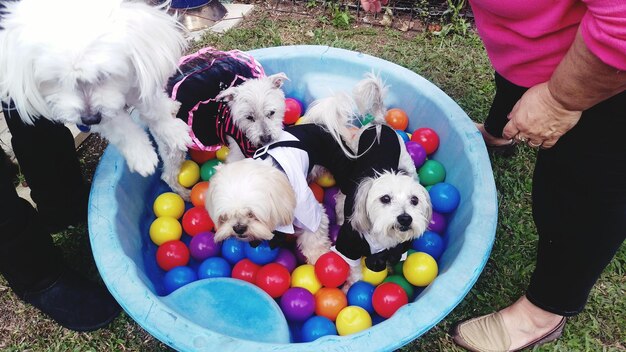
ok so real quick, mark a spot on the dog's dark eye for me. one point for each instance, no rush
(250, 215)
(271, 113)
(414, 200)
(385, 199)
(250, 118)
(221, 219)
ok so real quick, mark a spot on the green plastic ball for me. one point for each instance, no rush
(431, 172)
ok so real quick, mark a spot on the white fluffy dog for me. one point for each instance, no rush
(86, 62)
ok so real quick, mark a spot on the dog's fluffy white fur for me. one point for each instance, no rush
(86, 62)
(249, 199)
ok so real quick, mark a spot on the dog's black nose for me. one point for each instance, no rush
(266, 138)
(240, 229)
(91, 119)
(405, 219)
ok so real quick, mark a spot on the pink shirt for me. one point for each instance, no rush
(526, 39)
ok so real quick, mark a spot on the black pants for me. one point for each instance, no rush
(48, 160)
(579, 201)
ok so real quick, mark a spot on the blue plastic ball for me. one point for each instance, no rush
(405, 137)
(214, 267)
(429, 242)
(178, 277)
(360, 294)
(316, 327)
(261, 254)
(233, 250)
(444, 197)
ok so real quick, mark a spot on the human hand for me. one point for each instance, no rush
(373, 6)
(539, 119)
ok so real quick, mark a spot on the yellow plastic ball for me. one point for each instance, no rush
(165, 229)
(189, 173)
(352, 319)
(326, 180)
(420, 269)
(300, 121)
(304, 276)
(169, 204)
(373, 277)
(222, 153)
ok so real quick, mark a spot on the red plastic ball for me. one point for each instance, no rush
(388, 297)
(329, 301)
(245, 270)
(427, 138)
(201, 156)
(196, 220)
(318, 191)
(172, 254)
(331, 269)
(274, 279)
(293, 111)
(397, 119)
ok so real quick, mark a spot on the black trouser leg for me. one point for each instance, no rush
(48, 160)
(579, 207)
(507, 94)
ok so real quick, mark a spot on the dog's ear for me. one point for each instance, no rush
(359, 219)
(227, 95)
(278, 79)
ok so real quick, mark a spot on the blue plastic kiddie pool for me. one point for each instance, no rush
(230, 315)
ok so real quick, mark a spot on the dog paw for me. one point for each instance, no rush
(145, 165)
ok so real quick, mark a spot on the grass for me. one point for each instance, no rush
(459, 66)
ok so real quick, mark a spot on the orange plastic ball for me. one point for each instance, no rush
(318, 191)
(198, 193)
(329, 301)
(397, 119)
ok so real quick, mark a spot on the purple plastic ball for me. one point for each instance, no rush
(301, 259)
(298, 304)
(332, 216)
(438, 223)
(333, 232)
(417, 153)
(286, 258)
(329, 197)
(203, 246)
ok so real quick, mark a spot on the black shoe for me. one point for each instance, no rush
(74, 302)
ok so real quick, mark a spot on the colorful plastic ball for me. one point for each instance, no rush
(293, 111)
(233, 250)
(402, 282)
(286, 258)
(203, 246)
(420, 269)
(332, 215)
(331, 269)
(214, 267)
(196, 220)
(304, 276)
(431, 172)
(208, 169)
(397, 267)
(298, 304)
(201, 156)
(274, 279)
(329, 197)
(165, 229)
(329, 301)
(403, 135)
(172, 254)
(333, 232)
(317, 190)
(198, 193)
(427, 137)
(429, 242)
(397, 119)
(353, 319)
(360, 294)
(189, 173)
(438, 223)
(222, 153)
(316, 327)
(417, 153)
(388, 298)
(169, 204)
(83, 128)
(326, 180)
(261, 254)
(373, 277)
(245, 270)
(178, 277)
(444, 197)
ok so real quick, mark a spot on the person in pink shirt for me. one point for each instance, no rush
(560, 87)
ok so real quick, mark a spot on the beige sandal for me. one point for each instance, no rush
(488, 334)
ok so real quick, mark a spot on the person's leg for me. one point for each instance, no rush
(48, 160)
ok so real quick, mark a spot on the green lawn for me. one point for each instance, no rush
(458, 65)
